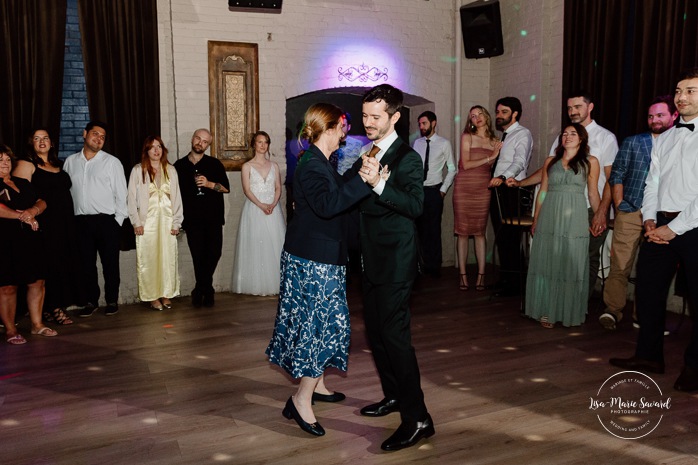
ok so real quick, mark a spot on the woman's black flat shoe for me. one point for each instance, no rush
(336, 397)
(291, 412)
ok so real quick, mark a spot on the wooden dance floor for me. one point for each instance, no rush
(188, 386)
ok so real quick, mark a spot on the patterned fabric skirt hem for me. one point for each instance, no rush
(312, 328)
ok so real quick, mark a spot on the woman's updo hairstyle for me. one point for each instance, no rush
(318, 119)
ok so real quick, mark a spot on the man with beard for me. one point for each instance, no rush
(437, 155)
(99, 201)
(389, 257)
(349, 147)
(514, 156)
(670, 215)
(604, 147)
(627, 182)
(202, 182)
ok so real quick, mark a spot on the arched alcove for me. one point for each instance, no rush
(349, 99)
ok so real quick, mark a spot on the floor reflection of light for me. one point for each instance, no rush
(366, 351)
(9, 422)
(202, 357)
(539, 380)
(425, 447)
(222, 457)
(455, 383)
(593, 359)
(464, 389)
(575, 334)
(444, 351)
(510, 348)
(168, 326)
(95, 369)
(150, 421)
(534, 437)
(630, 419)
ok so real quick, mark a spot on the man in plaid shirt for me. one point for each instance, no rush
(627, 182)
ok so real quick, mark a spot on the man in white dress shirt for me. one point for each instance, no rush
(512, 162)
(604, 147)
(99, 201)
(670, 214)
(437, 156)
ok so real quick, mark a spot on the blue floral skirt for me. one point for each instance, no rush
(312, 329)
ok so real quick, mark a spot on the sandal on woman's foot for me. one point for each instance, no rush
(545, 323)
(16, 340)
(61, 317)
(463, 286)
(45, 331)
(480, 284)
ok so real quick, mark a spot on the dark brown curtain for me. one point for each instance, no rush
(120, 49)
(31, 78)
(626, 52)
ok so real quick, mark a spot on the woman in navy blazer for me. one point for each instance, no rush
(312, 331)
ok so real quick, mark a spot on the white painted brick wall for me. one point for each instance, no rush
(419, 42)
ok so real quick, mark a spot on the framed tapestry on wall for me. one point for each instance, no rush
(233, 87)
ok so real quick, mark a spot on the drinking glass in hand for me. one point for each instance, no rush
(198, 188)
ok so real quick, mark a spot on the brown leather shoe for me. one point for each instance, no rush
(638, 364)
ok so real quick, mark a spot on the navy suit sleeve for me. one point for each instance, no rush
(326, 196)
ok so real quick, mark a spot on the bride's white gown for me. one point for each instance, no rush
(260, 240)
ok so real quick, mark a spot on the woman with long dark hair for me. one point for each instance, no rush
(558, 276)
(155, 211)
(45, 171)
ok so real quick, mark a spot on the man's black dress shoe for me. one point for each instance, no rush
(197, 298)
(336, 397)
(291, 412)
(381, 409)
(208, 300)
(639, 364)
(687, 380)
(407, 435)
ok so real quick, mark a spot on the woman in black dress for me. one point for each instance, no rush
(44, 170)
(23, 257)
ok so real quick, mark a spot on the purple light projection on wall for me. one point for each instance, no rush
(360, 64)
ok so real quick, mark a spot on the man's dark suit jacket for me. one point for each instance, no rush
(318, 230)
(388, 231)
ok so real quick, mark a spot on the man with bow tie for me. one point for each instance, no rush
(670, 213)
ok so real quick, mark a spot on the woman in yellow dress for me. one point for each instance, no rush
(155, 210)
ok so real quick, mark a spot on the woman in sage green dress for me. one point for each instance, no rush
(557, 283)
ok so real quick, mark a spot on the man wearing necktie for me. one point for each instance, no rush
(437, 154)
(389, 257)
(670, 214)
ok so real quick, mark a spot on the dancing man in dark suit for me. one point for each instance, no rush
(389, 256)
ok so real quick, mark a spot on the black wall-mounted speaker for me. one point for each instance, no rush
(481, 24)
(255, 6)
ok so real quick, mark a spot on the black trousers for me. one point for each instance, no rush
(429, 229)
(99, 234)
(387, 318)
(508, 240)
(205, 245)
(656, 267)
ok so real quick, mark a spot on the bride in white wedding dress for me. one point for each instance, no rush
(262, 226)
